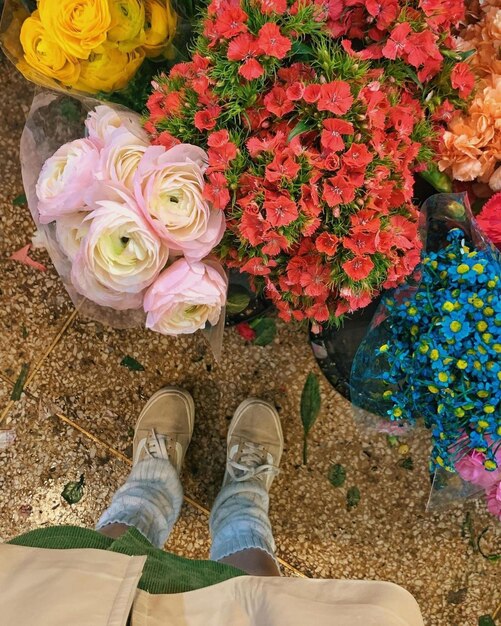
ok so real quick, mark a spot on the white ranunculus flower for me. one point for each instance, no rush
(102, 121)
(120, 158)
(169, 188)
(70, 230)
(119, 256)
(65, 179)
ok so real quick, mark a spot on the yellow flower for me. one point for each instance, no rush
(127, 21)
(78, 26)
(109, 69)
(43, 54)
(160, 26)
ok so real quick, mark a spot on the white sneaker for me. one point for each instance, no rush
(165, 427)
(255, 443)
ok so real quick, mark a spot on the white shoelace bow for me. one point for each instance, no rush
(154, 445)
(250, 463)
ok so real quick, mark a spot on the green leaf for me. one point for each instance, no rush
(440, 181)
(20, 200)
(301, 51)
(458, 596)
(310, 408)
(352, 497)
(486, 620)
(238, 299)
(266, 330)
(458, 55)
(73, 491)
(489, 557)
(20, 383)
(337, 475)
(407, 463)
(70, 110)
(300, 128)
(392, 441)
(130, 363)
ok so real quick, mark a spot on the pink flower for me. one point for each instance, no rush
(185, 297)
(104, 120)
(119, 256)
(494, 500)
(65, 179)
(169, 189)
(471, 468)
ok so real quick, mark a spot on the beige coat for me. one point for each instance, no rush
(86, 587)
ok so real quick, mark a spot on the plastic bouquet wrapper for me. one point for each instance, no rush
(432, 356)
(125, 222)
(94, 47)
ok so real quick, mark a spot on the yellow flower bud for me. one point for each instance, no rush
(160, 26)
(127, 22)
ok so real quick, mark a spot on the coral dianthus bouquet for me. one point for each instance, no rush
(315, 117)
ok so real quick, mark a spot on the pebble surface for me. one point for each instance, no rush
(388, 536)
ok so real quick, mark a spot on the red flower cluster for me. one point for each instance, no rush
(314, 169)
(413, 31)
(489, 219)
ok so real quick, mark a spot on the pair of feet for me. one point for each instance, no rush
(255, 439)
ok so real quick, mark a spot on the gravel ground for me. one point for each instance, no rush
(81, 405)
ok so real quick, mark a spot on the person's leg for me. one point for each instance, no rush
(239, 524)
(114, 531)
(151, 498)
(253, 561)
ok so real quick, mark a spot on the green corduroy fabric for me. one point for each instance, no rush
(163, 572)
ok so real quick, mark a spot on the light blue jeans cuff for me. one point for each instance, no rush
(239, 520)
(150, 500)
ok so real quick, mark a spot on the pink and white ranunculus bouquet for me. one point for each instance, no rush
(133, 221)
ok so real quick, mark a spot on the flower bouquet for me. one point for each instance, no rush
(125, 222)
(315, 117)
(433, 354)
(91, 46)
(471, 147)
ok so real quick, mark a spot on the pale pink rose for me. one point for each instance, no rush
(185, 297)
(65, 179)
(70, 230)
(119, 257)
(120, 158)
(104, 120)
(494, 500)
(169, 189)
(471, 468)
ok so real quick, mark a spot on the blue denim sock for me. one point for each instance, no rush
(150, 500)
(239, 520)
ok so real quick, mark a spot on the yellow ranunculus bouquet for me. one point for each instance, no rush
(87, 46)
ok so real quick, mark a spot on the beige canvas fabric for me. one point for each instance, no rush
(40, 587)
(259, 601)
(84, 587)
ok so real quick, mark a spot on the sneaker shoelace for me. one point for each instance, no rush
(154, 445)
(252, 462)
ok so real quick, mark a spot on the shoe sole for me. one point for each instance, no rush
(246, 404)
(160, 393)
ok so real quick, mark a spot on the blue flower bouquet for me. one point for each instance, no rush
(433, 355)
